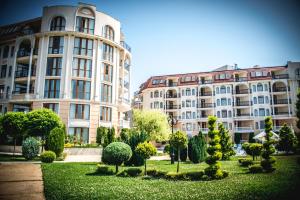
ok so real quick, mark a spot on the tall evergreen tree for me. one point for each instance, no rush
(197, 148)
(288, 140)
(225, 142)
(298, 109)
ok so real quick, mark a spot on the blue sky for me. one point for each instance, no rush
(171, 36)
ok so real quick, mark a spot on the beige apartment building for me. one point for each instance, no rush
(240, 98)
(73, 60)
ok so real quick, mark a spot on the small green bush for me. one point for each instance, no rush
(205, 178)
(255, 168)
(194, 176)
(246, 162)
(225, 173)
(56, 140)
(133, 172)
(104, 170)
(151, 172)
(30, 148)
(175, 176)
(48, 156)
(268, 165)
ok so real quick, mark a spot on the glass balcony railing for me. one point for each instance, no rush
(125, 45)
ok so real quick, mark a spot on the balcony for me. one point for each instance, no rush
(23, 53)
(126, 84)
(172, 107)
(127, 66)
(279, 89)
(242, 91)
(124, 123)
(205, 105)
(170, 96)
(243, 129)
(242, 103)
(24, 73)
(173, 84)
(205, 94)
(125, 45)
(203, 130)
(281, 113)
(281, 101)
(241, 79)
(280, 76)
(205, 82)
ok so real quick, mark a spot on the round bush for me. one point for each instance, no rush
(56, 141)
(30, 148)
(116, 153)
(48, 156)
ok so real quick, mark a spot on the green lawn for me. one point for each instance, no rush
(75, 181)
(9, 158)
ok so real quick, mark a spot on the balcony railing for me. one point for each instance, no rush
(280, 76)
(279, 89)
(173, 84)
(242, 103)
(22, 91)
(127, 66)
(281, 101)
(107, 56)
(242, 91)
(23, 53)
(241, 79)
(243, 115)
(125, 45)
(281, 113)
(243, 129)
(205, 105)
(205, 94)
(24, 73)
(203, 130)
(205, 81)
(168, 96)
(171, 107)
(124, 123)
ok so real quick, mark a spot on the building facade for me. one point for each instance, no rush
(240, 98)
(73, 60)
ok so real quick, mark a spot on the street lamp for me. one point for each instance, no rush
(172, 122)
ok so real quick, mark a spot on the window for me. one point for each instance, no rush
(52, 87)
(7, 91)
(183, 104)
(79, 134)
(262, 124)
(188, 115)
(85, 25)
(79, 111)
(260, 99)
(223, 102)
(193, 103)
(108, 52)
(254, 88)
(217, 90)
(218, 114)
(260, 87)
(160, 94)
(51, 106)
(188, 92)
(151, 105)
(151, 94)
(256, 125)
(255, 112)
(224, 113)
(193, 92)
(223, 90)
(58, 24)
(182, 92)
(161, 105)
(183, 115)
(188, 103)
(56, 45)
(9, 71)
(228, 89)
(261, 112)
(106, 93)
(156, 94)
(2, 87)
(109, 32)
(5, 52)
(83, 47)
(266, 87)
(229, 101)
(267, 99)
(105, 113)
(12, 51)
(194, 115)
(229, 114)
(267, 112)
(54, 66)
(82, 68)
(254, 100)
(218, 102)
(3, 71)
(81, 89)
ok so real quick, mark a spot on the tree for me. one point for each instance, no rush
(288, 140)
(116, 153)
(13, 125)
(56, 140)
(101, 134)
(197, 148)
(125, 134)
(152, 122)
(298, 109)
(225, 142)
(251, 138)
(111, 135)
(179, 141)
(145, 150)
(214, 150)
(40, 122)
(268, 148)
(253, 149)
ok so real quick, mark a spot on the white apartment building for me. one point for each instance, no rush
(240, 98)
(73, 60)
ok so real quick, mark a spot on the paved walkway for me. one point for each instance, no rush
(83, 154)
(21, 181)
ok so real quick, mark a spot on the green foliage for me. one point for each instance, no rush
(104, 170)
(167, 148)
(175, 176)
(255, 169)
(225, 142)
(111, 135)
(56, 140)
(214, 150)
(237, 138)
(125, 134)
(251, 138)
(30, 148)
(116, 153)
(132, 172)
(135, 138)
(179, 141)
(48, 156)
(253, 149)
(246, 162)
(268, 148)
(105, 136)
(145, 150)
(197, 148)
(101, 134)
(288, 140)
(152, 122)
(194, 176)
(298, 109)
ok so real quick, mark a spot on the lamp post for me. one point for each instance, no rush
(172, 122)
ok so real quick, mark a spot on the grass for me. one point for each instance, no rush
(76, 181)
(9, 158)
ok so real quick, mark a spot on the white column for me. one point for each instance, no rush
(29, 71)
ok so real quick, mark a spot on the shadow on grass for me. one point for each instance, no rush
(97, 174)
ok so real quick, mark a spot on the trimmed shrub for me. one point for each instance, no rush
(48, 156)
(197, 148)
(151, 172)
(167, 148)
(30, 148)
(145, 150)
(255, 168)
(133, 172)
(104, 170)
(246, 162)
(116, 153)
(175, 176)
(56, 141)
(225, 173)
(268, 148)
(179, 141)
(225, 143)
(194, 176)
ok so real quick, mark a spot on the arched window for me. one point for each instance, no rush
(255, 112)
(229, 101)
(267, 99)
(260, 87)
(193, 92)
(222, 89)
(229, 114)
(267, 112)
(266, 87)
(183, 115)
(58, 24)
(217, 90)
(254, 100)
(254, 88)
(161, 105)
(218, 114)
(228, 89)
(156, 94)
(218, 102)
(109, 32)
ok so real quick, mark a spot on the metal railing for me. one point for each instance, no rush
(243, 129)
(241, 91)
(281, 101)
(173, 84)
(205, 81)
(280, 76)
(241, 79)
(242, 103)
(205, 105)
(281, 113)
(127, 66)
(279, 89)
(22, 91)
(205, 94)
(171, 107)
(168, 96)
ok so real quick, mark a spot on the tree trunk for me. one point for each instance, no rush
(178, 156)
(145, 167)
(117, 169)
